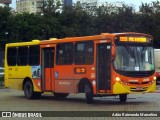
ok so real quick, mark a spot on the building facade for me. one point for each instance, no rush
(26, 6)
(34, 6)
(4, 3)
(88, 4)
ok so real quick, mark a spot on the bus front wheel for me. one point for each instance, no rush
(88, 93)
(28, 91)
(123, 97)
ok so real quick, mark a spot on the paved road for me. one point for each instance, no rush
(14, 100)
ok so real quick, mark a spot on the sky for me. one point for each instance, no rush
(136, 3)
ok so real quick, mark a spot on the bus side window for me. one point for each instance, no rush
(34, 55)
(84, 53)
(64, 54)
(12, 56)
(22, 56)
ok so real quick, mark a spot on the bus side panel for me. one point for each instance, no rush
(90, 74)
(63, 75)
(37, 84)
(16, 75)
(64, 86)
(36, 80)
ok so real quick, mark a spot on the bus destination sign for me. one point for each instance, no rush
(133, 39)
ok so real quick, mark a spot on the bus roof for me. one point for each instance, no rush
(33, 42)
(72, 39)
(102, 36)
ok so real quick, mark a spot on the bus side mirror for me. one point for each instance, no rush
(113, 51)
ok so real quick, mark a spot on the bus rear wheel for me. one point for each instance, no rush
(88, 94)
(123, 97)
(28, 91)
(61, 95)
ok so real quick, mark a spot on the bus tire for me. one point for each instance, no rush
(123, 97)
(28, 91)
(88, 94)
(61, 95)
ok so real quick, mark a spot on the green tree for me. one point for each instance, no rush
(4, 18)
(24, 27)
(149, 20)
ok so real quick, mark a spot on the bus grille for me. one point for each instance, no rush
(134, 83)
(145, 82)
(138, 89)
(138, 83)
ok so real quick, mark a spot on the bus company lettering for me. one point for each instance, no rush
(145, 79)
(133, 80)
(64, 83)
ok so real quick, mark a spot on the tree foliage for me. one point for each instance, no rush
(76, 21)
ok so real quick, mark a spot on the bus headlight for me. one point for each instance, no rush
(94, 82)
(154, 78)
(118, 79)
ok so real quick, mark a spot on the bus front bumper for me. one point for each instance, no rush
(119, 88)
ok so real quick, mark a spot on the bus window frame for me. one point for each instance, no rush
(16, 55)
(34, 55)
(75, 50)
(57, 50)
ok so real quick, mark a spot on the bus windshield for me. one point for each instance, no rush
(134, 58)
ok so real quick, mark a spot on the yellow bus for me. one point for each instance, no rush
(21, 64)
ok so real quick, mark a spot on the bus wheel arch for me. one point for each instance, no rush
(25, 80)
(29, 89)
(82, 83)
(86, 87)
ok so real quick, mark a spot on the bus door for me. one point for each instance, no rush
(103, 67)
(48, 69)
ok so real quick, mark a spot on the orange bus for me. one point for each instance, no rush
(100, 65)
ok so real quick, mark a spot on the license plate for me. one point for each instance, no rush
(139, 88)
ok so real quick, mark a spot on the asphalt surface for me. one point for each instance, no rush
(14, 100)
